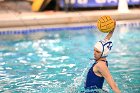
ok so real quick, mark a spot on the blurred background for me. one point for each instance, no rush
(69, 10)
(64, 5)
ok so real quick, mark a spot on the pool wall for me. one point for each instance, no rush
(23, 19)
(29, 30)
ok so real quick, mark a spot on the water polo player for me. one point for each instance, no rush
(99, 70)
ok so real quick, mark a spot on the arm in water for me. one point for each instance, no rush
(103, 69)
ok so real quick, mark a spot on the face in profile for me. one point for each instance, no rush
(97, 53)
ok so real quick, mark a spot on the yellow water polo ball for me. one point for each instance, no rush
(106, 24)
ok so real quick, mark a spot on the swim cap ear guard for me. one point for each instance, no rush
(104, 47)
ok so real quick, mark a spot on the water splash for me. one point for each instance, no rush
(74, 87)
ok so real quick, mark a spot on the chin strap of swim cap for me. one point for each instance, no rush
(104, 47)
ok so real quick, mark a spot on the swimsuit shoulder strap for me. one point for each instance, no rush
(101, 60)
(105, 61)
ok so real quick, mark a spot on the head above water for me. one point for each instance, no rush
(102, 49)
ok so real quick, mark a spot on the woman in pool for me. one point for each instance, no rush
(99, 70)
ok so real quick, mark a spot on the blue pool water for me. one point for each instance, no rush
(57, 61)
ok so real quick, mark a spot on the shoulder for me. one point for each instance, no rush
(103, 69)
(101, 64)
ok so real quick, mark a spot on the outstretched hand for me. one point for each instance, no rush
(109, 35)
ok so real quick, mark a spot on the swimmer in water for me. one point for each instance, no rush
(99, 70)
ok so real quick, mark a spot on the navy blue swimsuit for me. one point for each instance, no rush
(93, 81)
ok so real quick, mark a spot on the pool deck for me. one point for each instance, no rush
(11, 19)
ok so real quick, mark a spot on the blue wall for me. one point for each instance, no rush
(96, 3)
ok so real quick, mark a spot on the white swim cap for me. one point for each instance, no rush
(104, 47)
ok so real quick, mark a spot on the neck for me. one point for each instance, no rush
(101, 59)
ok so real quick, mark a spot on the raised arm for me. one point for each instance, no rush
(102, 68)
(109, 35)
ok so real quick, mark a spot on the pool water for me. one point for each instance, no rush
(58, 61)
